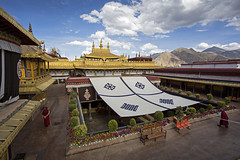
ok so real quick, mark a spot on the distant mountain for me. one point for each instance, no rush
(219, 51)
(214, 50)
(232, 54)
(168, 60)
(190, 55)
(155, 55)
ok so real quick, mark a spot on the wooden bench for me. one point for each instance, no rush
(182, 124)
(152, 132)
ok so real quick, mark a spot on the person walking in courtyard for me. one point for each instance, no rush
(224, 119)
(45, 114)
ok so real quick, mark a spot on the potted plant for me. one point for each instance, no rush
(197, 96)
(73, 121)
(71, 107)
(179, 91)
(132, 122)
(179, 112)
(80, 130)
(189, 93)
(201, 110)
(210, 107)
(209, 96)
(227, 100)
(112, 125)
(75, 112)
(191, 110)
(221, 104)
(158, 115)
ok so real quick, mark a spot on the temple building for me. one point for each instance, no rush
(100, 62)
(35, 77)
(220, 78)
(18, 69)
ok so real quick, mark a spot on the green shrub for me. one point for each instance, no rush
(197, 96)
(201, 110)
(73, 121)
(71, 107)
(158, 115)
(161, 86)
(227, 100)
(189, 93)
(209, 96)
(75, 112)
(132, 122)
(112, 125)
(179, 112)
(73, 93)
(191, 110)
(73, 101)
(179, 91)
(221, 104)
(171, 89)
(170, 113)
(80, 130)
(210, 107)
(166, 88)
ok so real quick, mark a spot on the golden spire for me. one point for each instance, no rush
(101, 44)
(139, 54)
(136, 54)
(150, 55)
(30, 28)
(44, 49)
(93, 44)
(108, 45)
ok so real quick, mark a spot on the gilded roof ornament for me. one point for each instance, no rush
(108, 45)
(30, 28)
(93, 44)
(101, 46)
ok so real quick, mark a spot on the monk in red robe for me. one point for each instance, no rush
(224, 119)
(45, 114)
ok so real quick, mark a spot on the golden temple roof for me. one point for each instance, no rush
(10, 26)
(30, 51)
(101, 53)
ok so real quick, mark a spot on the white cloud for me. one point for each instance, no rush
(79, 43)
(87, 50)
(98, 35)
(112, 43)
(161, 36)
(135, 39)
(201, 30)
(234, 22)
(115, 51)
(156, 51)
(148, 46)
(161, 16)
(89, 18)
(231, 46)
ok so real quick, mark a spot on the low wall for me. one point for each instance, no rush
(77, 149)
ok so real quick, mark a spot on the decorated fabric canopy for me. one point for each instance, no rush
(135, 96)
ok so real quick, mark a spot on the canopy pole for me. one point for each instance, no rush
(90, 111)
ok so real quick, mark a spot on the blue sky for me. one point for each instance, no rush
(130, 26)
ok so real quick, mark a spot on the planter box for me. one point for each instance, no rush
(76, 149)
